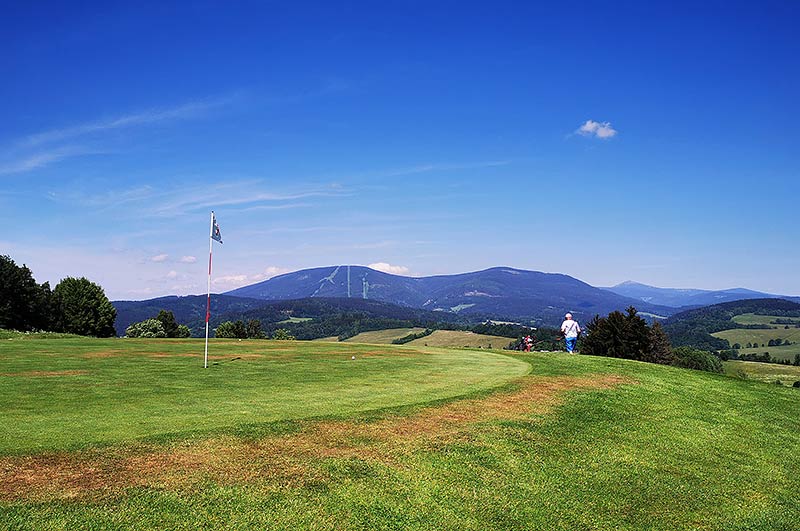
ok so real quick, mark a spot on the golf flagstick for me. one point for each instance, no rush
(214, 234)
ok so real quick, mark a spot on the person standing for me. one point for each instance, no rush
(571, 329)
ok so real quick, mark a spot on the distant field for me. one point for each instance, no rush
(459, 338)
(763, 372)
(751, 319)
(383, 337)
(762, 337)
(296, 320)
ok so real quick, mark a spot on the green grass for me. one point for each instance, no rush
(671, 449)
(743, 336)
(751, 319)
(763, 372)
(71, 393)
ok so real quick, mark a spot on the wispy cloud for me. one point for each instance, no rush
(189, 110)
(188, 259)
(42, 149)
(41, 159)
(594, 129)
(159, 258)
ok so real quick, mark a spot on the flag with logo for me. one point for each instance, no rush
(215, 233)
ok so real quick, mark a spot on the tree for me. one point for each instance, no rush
(282, 334)
(81, 307)
(660, 350)
(231, 330)
(146, 328)
(254, 329)
(24, 304)
(167, 319)
(621, 336)
(690, 358)
(183, 331)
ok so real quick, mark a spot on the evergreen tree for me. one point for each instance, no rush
(660, 349)
(167, 319)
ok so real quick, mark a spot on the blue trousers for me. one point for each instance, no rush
(569, 342)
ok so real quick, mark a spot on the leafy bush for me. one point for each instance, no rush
(690, 358)
(146, 328)
(282, 334)
(183, 331)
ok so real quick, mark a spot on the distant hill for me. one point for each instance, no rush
(189, 310)
(694, 327)
(308, 318)
(499, 292)
(676, 298)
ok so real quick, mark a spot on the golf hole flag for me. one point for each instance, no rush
(215, 235)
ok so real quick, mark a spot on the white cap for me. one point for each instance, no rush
(568, 316)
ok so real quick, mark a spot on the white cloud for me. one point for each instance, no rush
(159, 258)
(271, 271)
(188, 259)
(597, 129)
(389, 268)
(172, 274)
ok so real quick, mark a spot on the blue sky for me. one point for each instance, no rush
(607, 141)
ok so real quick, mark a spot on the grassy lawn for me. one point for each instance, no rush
(298, 436)
(69, 393)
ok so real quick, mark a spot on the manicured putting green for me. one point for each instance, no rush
(71, 393)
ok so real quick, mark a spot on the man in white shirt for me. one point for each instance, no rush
(570, 329)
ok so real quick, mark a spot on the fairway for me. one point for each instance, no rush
(71, 393)
(135, 435)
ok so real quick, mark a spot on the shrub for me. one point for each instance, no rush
(282, 334)
(146, 328)
(796, 384)
(690, 358)
(183, 331)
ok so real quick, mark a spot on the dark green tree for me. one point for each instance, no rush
(183, 331)
(618, 336)
(81, 307)
(690, 358)
(167, 319)
(660, 350)
(24, 304)
(254, 329)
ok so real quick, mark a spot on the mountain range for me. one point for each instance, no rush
(498, 292)
(677, 298)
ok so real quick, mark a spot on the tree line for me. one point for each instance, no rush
(74, 306)
(626, 335)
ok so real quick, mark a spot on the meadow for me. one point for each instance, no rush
(743, 336)
(135, 434)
